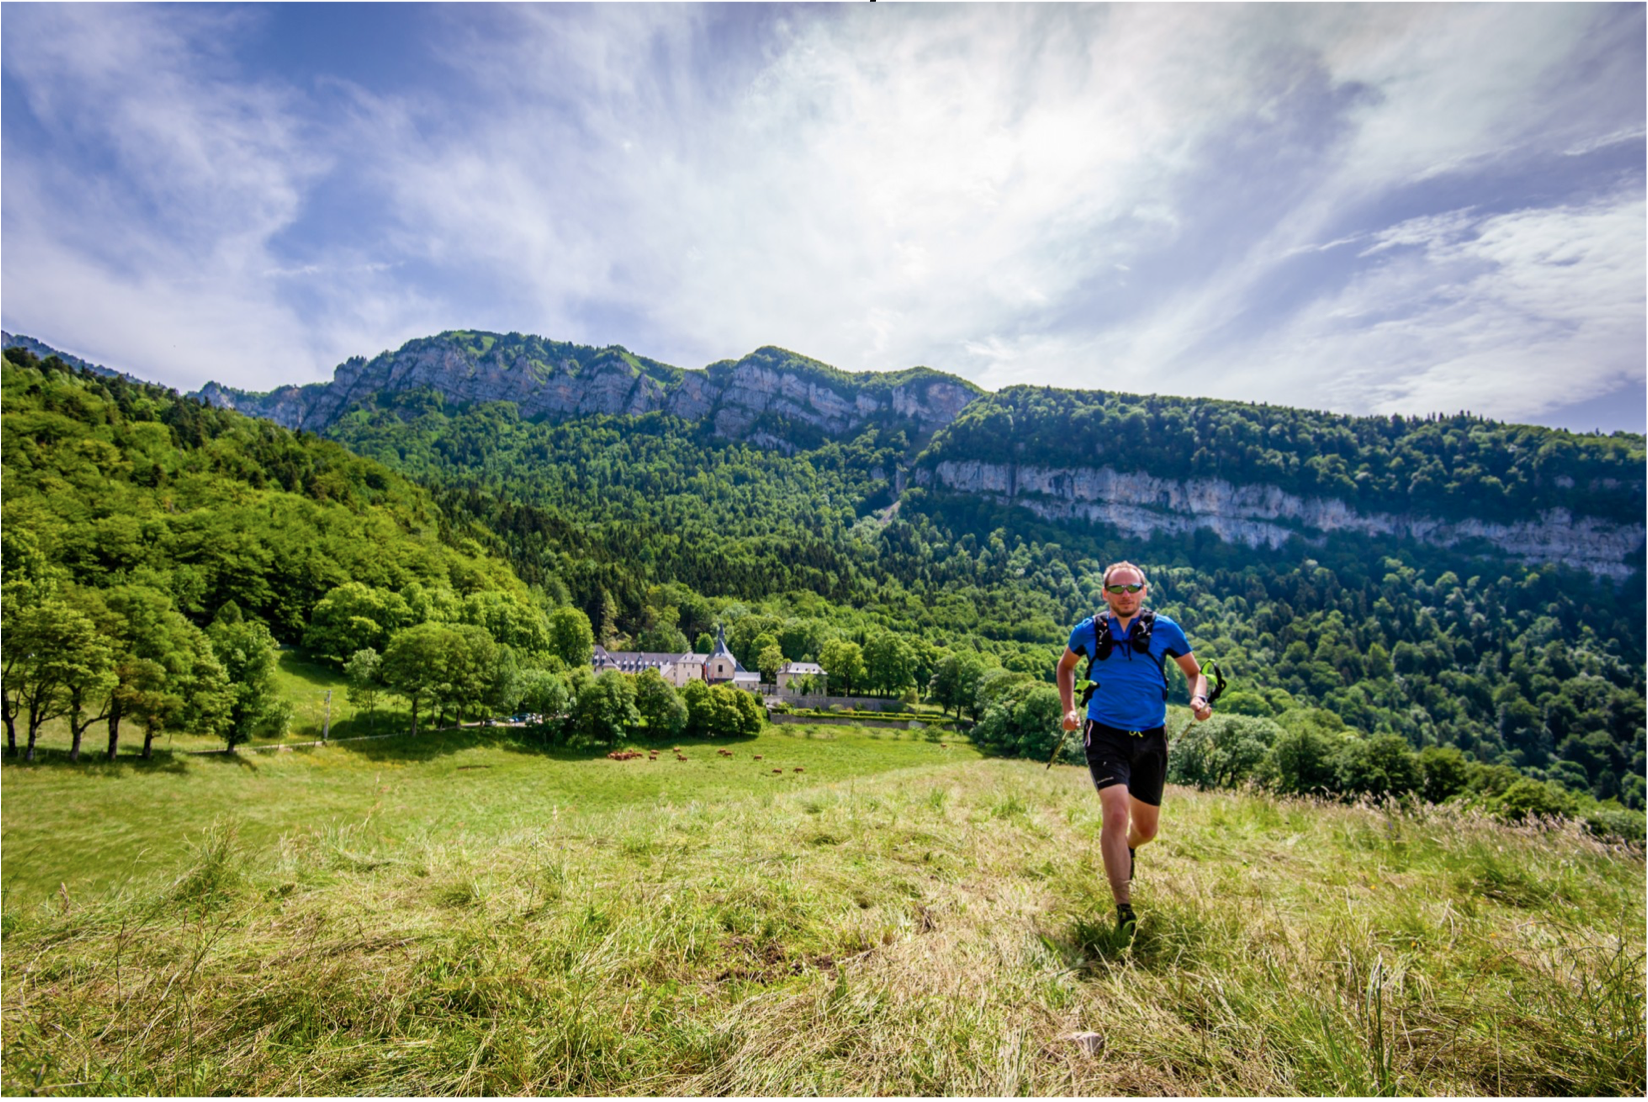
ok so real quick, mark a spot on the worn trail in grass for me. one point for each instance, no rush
(936, 929)
(94, 825)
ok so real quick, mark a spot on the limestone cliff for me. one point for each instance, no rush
(563, 381)
(779, 400)
(1140, 504)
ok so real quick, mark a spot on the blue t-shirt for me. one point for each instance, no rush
(1132, 692)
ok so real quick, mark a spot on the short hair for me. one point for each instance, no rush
(1123, 565)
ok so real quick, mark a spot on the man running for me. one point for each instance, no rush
(1125, 737)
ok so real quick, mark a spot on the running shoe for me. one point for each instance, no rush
(1126, 921)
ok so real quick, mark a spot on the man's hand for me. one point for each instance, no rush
(1200, 708)
(1065, 675)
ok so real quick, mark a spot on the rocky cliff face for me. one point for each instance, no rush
(734, 395)
(1261, 516)
(764, 396)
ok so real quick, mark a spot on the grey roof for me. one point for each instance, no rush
(721, 644)
(721, 649)
(808, 668)
(634, 661)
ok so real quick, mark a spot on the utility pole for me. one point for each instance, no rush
(326, 731)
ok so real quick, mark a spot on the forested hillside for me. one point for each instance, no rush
(1535, 666)
(157, 550)
(1443, 466)
(814, 545)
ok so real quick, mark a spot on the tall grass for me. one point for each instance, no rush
(940, 930)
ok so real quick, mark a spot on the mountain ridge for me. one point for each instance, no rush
(548, 378)
(1250, 473)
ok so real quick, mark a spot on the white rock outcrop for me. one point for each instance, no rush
(1265, 516)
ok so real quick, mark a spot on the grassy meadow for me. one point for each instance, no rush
(462, 915)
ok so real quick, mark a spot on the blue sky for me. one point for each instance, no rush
(1370, 209)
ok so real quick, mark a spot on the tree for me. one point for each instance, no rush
(660, 705)
(800, 640)
(246, 648)
(1302, 761)
(456, 665)
(354, 617)
(606, 615)
(993, 684)
(511, 620)
(662, 639)
(1382, 765)
(168, 672)
(955, 680)
(889, 663)
(1022, 721)
(503, 684)
(90, 687)
(1222, 752)
(770, 661)
(843, 660)
(27, 577)
(364, 671)
(57, 660)
(604, 711)
(570, 637)
(414, 664)
(704, 644)
(696, 696)
(750, 713)
(1444, 773)
(545, 693)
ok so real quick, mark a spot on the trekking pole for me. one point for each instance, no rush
(1218, 677)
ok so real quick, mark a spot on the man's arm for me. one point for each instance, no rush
(1067, 689)
(1198, 686)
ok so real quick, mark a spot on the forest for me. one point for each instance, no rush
(1437, 465)
(463, 559)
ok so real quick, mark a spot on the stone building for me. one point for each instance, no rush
(792, 674)
(721, 668)
(677, 669)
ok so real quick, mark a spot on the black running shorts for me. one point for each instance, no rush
(1137, 759)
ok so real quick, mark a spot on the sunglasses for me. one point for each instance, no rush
(1123, 588)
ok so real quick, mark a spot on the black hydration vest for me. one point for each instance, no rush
(1104, 643)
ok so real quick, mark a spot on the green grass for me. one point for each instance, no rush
(96, 825)
(301, 683)
(898, 919)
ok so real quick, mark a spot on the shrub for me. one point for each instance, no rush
(1243, 702)
(1379, 766)
(1301, 761)
(604, 711)
(1617, 822)
(659, 704)
(1023, 721)
(1221, 753)
(1528, 797)
(1491, 780)
(1443, 773)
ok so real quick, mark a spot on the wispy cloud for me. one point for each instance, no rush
(1198, 200)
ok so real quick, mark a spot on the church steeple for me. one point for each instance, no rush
(721, 643)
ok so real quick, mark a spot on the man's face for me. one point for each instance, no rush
(1125, 604)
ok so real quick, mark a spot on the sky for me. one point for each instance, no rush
(1409, 208)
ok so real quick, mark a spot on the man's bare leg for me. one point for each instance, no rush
(1116, 805)
(1143, 818)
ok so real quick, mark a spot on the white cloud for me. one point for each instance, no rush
(1017, 194)
(1507, 316)
(156, 256)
